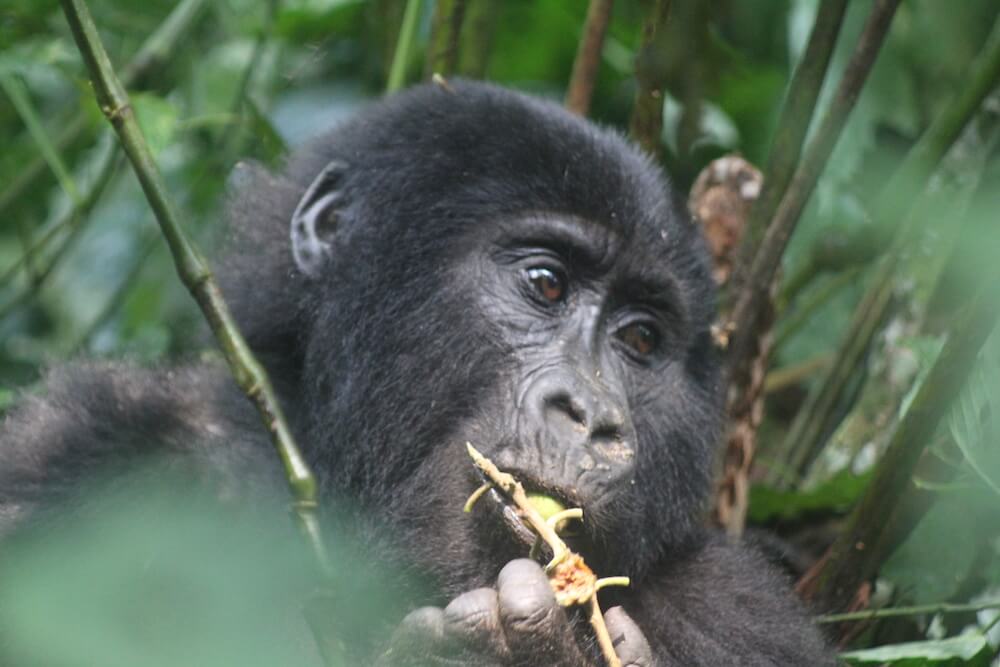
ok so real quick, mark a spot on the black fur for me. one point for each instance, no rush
(405, 344)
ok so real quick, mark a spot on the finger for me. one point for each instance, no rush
(417, 638)
(629, 641)
(534, 624)
(473, 620)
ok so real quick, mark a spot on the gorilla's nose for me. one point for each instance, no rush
(577, 413)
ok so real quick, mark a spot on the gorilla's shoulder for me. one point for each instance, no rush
(725, 604)
(90, 419)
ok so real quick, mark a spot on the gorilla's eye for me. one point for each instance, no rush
(643, 338)
(550, 284)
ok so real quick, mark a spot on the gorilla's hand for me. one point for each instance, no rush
(519, 623)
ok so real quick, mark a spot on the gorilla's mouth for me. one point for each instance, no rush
(518, 527)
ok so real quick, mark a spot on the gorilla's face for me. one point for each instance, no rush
(485, 268)
(596, 330)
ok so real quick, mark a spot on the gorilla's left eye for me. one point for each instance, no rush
(550, 284)
(641, 337)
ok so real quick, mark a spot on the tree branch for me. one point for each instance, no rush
(646, 124)
(194, 271)
(446, 29)
(793, 123)
(588, 57)
(754, 293)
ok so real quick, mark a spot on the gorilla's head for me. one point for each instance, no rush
(465, 263)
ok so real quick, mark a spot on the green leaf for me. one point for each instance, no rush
(838, 494)
(971, 649)
(157, 118)
(974, 420)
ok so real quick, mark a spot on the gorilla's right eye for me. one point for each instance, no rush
(548, 283)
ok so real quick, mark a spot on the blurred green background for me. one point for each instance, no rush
(249, 79)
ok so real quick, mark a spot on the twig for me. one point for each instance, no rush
(755, 292)
(803, 313)
(646, 124)
(916, 610)
(572, 581)
(104, 166)
(404, 46)
(194, 271)
(588, 57)
(792, 125)
(19, 98)
(154, 49)
(477, 37)
(446, 29)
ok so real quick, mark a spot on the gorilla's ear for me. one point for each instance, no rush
(315, 219)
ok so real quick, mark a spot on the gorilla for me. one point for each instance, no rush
(460, 263)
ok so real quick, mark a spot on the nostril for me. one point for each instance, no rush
(607, 432)
(570, 407)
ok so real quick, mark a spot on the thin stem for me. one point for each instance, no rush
(863, 546)
(793, 121)
(792, 324)
(194, 271)
(477, 37)
(646, 124)
(159, 45)
(804, 437)
(446, 31)
(754, 293)
(916, 610)
(588, 57)
(404, 46)
(564, 561)
(19, 98)
(103, 167)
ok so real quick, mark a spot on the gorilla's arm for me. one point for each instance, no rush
(93, 422)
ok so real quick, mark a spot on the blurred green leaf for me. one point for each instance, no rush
(971, 650)
(158, 120)
(836, 495)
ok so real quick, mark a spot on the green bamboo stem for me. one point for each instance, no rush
(446, 31)
(194, 271)
(19, 98)
(404, 46)
(915, 610)
(477, 37)
(813, 420)
(754, 293)
(793, 122)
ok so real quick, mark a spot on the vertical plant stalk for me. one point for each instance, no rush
(194, 271)
(446, 29)
(754, 293)
(477, 38)
(18, 95)
(588, 57)
(792, 125)
(646, 124)
(866, 542)
(804, 439)
(159, 45)
(404, 46)
(103, 166)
